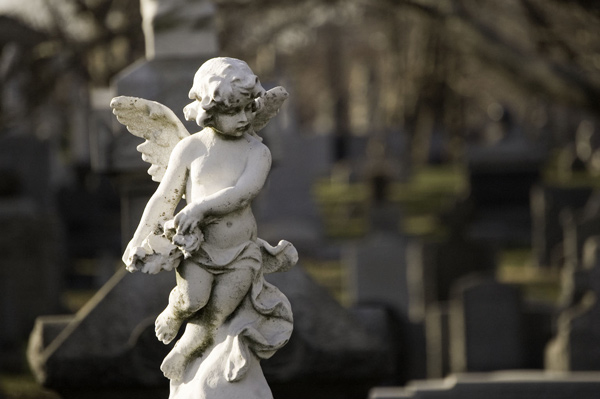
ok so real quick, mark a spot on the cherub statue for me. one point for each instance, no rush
(212, 242)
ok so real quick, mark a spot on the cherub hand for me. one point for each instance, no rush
(184, 231)
(188, 219)
(136, 259)
(151, 263)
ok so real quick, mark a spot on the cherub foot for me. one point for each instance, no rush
(167, 325)
(174, 365)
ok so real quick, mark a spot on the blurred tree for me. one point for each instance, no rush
(429, 68)
(64, 47)
(426, 67)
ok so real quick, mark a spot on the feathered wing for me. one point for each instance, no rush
(269, 105)
(154, 122)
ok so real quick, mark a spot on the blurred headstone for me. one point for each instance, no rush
(486, 329)
(501, 175)
(89, 208)
(31, 244)
(538, 329)
(377, 270)
(434, 266)
(25, 166)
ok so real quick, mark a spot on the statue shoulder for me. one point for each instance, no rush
(191, 146)
(259, 149)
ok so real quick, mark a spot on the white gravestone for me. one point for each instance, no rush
(233, 317)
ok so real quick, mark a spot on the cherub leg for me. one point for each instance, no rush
(227, 294)
(190, 295)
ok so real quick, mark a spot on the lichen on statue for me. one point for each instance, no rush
(233, 317)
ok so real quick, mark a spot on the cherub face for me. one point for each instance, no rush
(230, 121)
(235, 121)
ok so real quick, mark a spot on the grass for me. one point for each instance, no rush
(345, 206)
(515, 266)
(431, 191)
(330, 274)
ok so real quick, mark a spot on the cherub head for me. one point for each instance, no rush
(224, 94)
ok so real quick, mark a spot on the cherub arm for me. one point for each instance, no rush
(163, 202)
(231, 198)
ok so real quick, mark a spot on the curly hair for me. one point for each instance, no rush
(222, 83)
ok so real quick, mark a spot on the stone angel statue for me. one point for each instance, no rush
(233, 317)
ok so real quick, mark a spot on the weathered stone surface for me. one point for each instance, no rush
(107, 338)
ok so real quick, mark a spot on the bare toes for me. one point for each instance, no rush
(174, 365)
(166, 327)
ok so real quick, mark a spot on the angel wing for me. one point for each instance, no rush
(268, 106)
(154, 122)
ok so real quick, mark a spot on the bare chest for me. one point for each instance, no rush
(219, 167)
